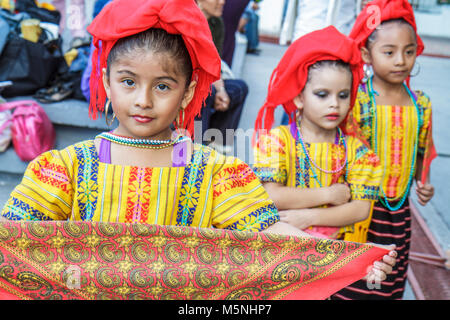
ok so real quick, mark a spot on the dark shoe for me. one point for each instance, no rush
(55, 93)
(254, 51)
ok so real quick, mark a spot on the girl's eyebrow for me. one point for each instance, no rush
(128, 72)
(167, 78)
(395, 46)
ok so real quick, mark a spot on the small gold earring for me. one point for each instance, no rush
(109, 122)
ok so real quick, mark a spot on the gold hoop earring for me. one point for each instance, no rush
(109, 122)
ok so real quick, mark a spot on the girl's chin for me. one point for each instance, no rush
(144, 132)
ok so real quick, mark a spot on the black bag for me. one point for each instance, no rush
(30, 66)
(42, 14)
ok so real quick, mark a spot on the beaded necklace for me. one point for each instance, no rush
(141, 143)
(384, 199)
(340, 141)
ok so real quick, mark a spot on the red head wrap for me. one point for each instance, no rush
(123, 18)
(378, 11)
(290, 76)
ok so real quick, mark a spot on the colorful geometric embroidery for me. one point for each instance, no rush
(394, 150)
(302, 167)
(138, 200)
(16, 209)
(395, 163)
(258, 220)
(51, 174)
(270, 144)
(190, 187)
(364, 192)
(268, 174)
(233, 177)
(87, 179)
(361, 151)
(366, 112)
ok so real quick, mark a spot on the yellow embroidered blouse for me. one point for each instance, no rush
(211, 191)
(280, 158)
(396, 130)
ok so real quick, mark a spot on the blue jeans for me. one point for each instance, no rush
(251, 28)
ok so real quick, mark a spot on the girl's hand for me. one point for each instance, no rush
(339, 194)
(221, 100)
(301, 218)
(380, 269)
(424, 192)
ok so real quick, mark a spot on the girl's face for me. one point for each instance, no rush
(325, 100)
(146, 94)
(393, 53)
(211, 8)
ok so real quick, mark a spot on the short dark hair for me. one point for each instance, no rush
(159, 41)
(373, 36)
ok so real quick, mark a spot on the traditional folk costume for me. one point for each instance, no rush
(283, 157)
(131, 234)
(397, 134)
(290, 162)
(79, 183)
(73, 184)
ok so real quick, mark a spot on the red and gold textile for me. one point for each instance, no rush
(97, 260)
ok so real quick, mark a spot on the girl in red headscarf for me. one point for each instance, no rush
(322, 180)
(396, 123)
(153, 65)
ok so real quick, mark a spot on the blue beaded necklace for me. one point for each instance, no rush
(383, 198)
(141, 143)
(312, 164)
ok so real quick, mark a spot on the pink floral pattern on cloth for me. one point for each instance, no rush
(88, 260)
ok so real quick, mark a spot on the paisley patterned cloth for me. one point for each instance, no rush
(99, 260)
